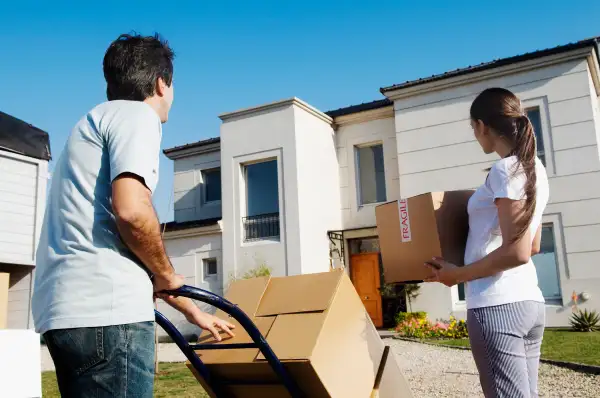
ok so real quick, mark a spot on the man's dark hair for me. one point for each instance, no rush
(132, 65)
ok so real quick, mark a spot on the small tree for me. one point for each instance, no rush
(256, 272)
(412, 292)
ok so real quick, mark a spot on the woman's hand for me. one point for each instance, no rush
(444, 272)
(211, 323)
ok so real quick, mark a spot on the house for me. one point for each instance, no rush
(294, 188)
(24, 157)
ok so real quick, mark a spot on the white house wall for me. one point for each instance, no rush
(437, 151)
(263, 135)
(187, 255)
(23, 182)
(20, 178)
(347, 138)
(188, 187)
(318, 188)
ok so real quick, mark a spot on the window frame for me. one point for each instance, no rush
(555, 220)
(359, 199)
(205, 201)
(205, 268)
(241, 191)
(541, 103)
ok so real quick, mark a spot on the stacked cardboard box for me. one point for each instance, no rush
(413, 230)
(318, 327)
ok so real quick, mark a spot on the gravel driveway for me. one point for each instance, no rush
(446, 372)
(443, 372)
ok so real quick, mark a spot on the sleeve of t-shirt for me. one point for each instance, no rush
(505, 183)
(134, 145)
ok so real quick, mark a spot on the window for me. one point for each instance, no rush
(546, 264)
(371, 174)
(212, 185)
(535, 117)
(461, 292)
(546, 267)
(364, 245)
(210, 266)
(262, 201)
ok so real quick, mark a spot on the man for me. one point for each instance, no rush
(101, 255)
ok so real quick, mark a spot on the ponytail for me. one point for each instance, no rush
(526, 153)
(501, 110)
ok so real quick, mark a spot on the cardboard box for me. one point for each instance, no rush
(4, 279)
(412, 231)
(318, 327)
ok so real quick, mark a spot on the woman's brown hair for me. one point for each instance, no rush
(501, 110)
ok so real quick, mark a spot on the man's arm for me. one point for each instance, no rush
(140, 230)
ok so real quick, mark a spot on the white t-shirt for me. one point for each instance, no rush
(85, 275)
(519, 283)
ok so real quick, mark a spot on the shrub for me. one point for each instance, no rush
(407, 316)
(585, 321)
(424, 329)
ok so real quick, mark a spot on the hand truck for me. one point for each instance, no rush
(215, 383)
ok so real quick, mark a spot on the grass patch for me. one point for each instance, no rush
(173, 380)
(559, 345)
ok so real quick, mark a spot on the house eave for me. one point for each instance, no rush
(364, 116)
(212, 229)
(272, 106)
(175, 153)
(476, 76)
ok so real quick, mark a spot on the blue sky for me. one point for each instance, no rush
(238, 54)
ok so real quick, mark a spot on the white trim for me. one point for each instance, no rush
(364, 116)
(187, 152)
(240, 162)
(355, 149)
(468, 78)
(245, 112)
(594, 69)
(203, 201)
(561, 255)
(22, 158)
(191, 232)
(542, 104)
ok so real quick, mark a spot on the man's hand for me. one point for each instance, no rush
(169, 282)
(444, 272)
(195, 316)
(211, 323)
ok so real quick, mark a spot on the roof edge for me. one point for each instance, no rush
(591, 42)
(365, 106)
(245, 112)
(194, 148)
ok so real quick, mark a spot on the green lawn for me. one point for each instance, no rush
(559, 345)
(174, 380)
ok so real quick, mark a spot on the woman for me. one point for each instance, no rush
(505, 307)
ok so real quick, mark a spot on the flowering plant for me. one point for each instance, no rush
(424, 329)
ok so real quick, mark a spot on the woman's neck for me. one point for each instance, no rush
(503, 149)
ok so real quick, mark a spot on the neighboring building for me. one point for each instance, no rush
(295, 189)
(24, 156)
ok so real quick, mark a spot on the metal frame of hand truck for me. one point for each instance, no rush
(258, 339)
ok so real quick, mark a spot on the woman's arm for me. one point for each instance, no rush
(510, 254)
(537, 242)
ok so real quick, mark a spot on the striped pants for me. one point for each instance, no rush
(505, 341)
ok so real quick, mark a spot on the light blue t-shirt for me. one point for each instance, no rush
(85, 275)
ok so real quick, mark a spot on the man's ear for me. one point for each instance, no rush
(160, 87)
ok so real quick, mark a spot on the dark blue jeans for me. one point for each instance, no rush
(109, 361)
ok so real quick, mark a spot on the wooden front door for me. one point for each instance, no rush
(364, 269)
